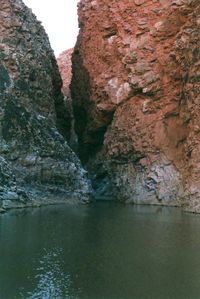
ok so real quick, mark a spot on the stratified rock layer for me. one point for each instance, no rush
(35, 160)
(136, 93)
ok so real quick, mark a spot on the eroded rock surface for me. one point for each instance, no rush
(136, 95)
(35, 160)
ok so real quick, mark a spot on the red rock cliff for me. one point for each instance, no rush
(135, 88)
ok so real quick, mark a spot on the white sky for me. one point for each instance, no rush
(59, 18)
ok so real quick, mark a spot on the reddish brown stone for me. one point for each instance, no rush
(136, 95)
(65, 63)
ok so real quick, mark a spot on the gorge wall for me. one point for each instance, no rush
(136, 95)
(65, 67)
(35, 161)
(64, 61)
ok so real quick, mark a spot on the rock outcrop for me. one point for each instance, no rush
(136, 95)
(35, 161)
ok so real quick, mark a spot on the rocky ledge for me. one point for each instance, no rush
(136, 95)
(36, 163)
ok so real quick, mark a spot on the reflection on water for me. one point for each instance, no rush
(52, 281)
(102, 251)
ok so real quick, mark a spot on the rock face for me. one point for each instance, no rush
(136, 94)
(35, 160)
(64, 61)
(65, 67)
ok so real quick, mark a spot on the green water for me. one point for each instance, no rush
(102, 251)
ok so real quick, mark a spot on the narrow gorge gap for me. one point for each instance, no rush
(72, 121)
(60, 21)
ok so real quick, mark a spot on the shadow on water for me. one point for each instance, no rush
(102, 251)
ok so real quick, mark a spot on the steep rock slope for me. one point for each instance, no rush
(35, 160)
(135, 91)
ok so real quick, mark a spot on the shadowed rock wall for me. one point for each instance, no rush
(136, 96)
(35, 160)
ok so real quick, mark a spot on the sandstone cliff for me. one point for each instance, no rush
(35, 160)
(136, 96)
